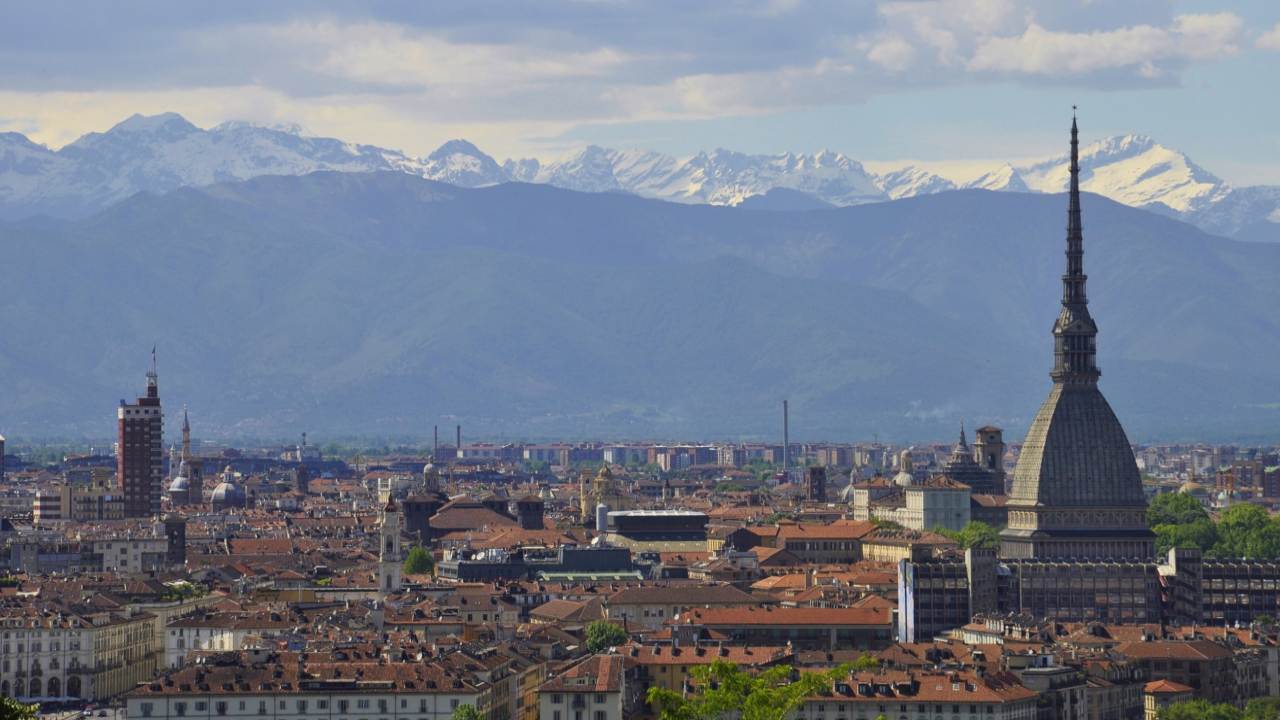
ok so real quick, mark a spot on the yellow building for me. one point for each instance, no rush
(124, 651)
(605, 489)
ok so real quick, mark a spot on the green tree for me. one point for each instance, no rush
(11, 709)
(866, 661)
(1246, 530)
(1200, 710)
(418, 561)
(722, 689)
(974, 534)
(1175, 509)
(466, 712)
(602, 635)
(1262, 709)
(1201, 534)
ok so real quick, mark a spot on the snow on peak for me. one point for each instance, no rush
(458, 162)
(246, 125)
(911, 181)
(169, 122)
(1004, 179)
(456, 147)
(1134, 170)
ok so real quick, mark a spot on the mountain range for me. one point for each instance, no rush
(380, 303)
(160, 153)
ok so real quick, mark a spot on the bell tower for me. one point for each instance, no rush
(389, 555)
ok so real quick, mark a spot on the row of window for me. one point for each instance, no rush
(302, 706)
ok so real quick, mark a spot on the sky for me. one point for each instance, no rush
(966, 83)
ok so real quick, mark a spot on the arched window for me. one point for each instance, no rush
(55, 687)
(35, 687)
(73, 686)
(4, 688)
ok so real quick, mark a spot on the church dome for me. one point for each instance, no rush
(179, 485)
(227, 494)
(1191, 487)
(1077, 455)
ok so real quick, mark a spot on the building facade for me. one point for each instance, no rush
(140, 451)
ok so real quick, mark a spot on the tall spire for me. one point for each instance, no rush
(186, 435)
(963, 443)
(1075, 333)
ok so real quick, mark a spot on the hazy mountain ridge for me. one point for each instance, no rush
(160, 153)
(383, 303)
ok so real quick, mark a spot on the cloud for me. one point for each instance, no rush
(395, 74)
(892, 53)
(1149, 51)
(1269, 40)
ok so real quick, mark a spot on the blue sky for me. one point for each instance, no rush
(969, 82)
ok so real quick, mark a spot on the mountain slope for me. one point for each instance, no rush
(159, 153)
(383, 303)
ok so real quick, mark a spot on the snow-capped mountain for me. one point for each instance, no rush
(1134, 170)
(1003, 179)
(720, 177)
(458, 162)
(162, 152)
(911, 181)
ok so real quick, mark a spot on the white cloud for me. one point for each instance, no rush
(892, 53)
(1148, 49)
(388, 54)
(1269, 40)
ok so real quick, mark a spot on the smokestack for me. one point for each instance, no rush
(458, 444)
(786, 441)
(435, 443)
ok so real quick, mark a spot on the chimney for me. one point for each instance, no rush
(458, 444)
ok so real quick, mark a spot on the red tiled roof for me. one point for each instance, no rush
(784, 616)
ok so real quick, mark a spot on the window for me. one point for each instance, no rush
(146, 709)
(362, 704)
(322, 704)
(555, 715)
(599, 698)
(600, 715)
(180, 708)
(453, 704)
(201, 706)
(262, 707)
(302, 706)
(556, 698)
(220, 708)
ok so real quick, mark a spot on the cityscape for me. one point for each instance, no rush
(980, 541)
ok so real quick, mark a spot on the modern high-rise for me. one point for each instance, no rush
(140, 451)
(1077, 493)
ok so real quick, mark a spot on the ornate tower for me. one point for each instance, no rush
(389, 557)
(988, 451)
(1076, 489)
